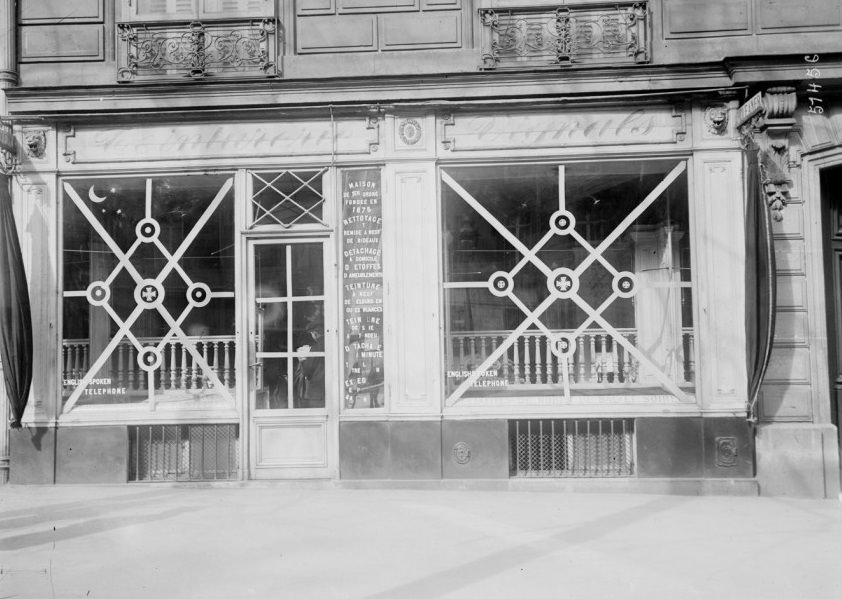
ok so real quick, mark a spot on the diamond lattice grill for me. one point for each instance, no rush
(287, 198)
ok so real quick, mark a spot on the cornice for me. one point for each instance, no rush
(281, 94)
(783, 69)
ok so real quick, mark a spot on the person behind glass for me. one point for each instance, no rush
(309, 377)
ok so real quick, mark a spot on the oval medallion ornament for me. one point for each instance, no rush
(409, 131)
(462, 453)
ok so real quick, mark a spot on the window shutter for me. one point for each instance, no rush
(224, 9)
(163, 10)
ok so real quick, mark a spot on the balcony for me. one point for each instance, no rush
(565, 36)
(197, 50)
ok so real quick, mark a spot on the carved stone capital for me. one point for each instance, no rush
(780, 102)
(768, 132)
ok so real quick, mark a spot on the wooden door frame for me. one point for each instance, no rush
(833, 283)
(304, 416)
(817, 291)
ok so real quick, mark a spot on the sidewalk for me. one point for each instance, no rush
(300, 542)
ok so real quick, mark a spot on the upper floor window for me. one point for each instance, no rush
(194, 10)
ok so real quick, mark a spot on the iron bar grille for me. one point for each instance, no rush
(588, 34)
(196, 50)
(183, 452)
(571, 448)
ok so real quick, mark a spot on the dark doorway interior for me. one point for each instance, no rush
(831, 188)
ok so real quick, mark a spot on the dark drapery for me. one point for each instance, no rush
(760, 279)
(15, 315)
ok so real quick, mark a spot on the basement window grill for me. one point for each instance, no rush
(183, 452)
(571, 448)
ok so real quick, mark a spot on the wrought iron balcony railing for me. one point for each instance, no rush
(564, 36)
(197, 50)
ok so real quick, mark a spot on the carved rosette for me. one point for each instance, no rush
(727, 452)
(461, 453)
(410, 132)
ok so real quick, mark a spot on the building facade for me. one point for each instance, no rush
(437, 241)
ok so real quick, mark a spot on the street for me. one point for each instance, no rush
(319, 541)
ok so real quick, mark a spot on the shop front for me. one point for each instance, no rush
(506, 293)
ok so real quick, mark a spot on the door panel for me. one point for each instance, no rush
(292, 366)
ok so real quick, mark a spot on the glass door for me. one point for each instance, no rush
(292, 375)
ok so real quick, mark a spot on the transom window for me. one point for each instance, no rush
(567, 281)
(287, 198)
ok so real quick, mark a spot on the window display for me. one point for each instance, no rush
(148, 302)
(564, 281)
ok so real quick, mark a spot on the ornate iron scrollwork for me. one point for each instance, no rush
(197, 50)
(565, 36)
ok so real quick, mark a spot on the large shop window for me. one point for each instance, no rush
(148, 308)
(568, 281)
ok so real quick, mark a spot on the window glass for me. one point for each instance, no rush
(148, 309)
(566, 281)
(184, 10)
(289, 313)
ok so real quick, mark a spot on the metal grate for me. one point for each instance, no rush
(183, 452)
(571, 448)
(150, 51)
(565, 36)
(288, 198)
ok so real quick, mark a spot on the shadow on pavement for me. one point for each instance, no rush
(448, 581)
(74, 510)
(89, 527)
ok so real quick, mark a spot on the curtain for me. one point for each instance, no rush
(15, 315)
(760, 279)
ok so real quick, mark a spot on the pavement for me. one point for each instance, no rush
(300, 541)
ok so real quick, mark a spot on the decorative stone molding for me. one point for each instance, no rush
(372, 124)
(726, 452)
(716, 119)
(410, 131)
(780, 102)
(769, 130)
(35, 143)
(461, 453)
